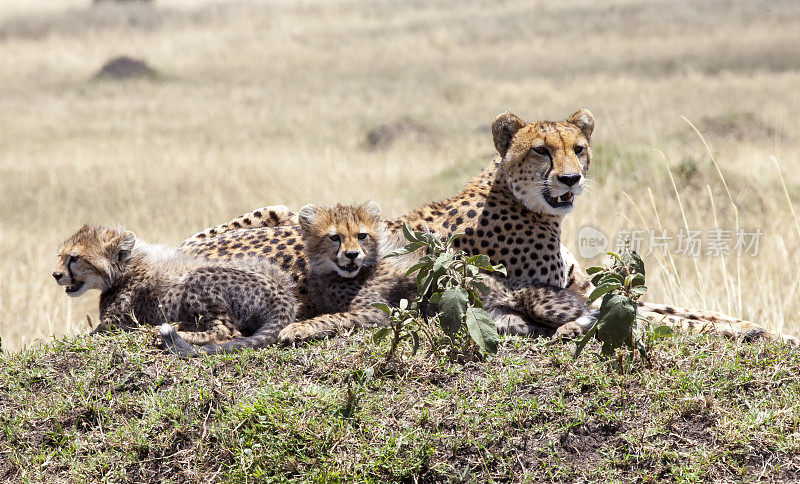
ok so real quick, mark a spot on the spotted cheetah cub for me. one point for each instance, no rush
(211, 302)
(345, 247)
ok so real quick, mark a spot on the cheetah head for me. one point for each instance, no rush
(545, 163)
(92, 258)
(342, 239)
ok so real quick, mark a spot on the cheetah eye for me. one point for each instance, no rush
(540, 150)
(579, 149)
(74, 258)
(334, 237)
(362, 236)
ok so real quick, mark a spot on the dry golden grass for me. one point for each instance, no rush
(261, 103)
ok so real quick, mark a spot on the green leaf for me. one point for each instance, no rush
(475, 298)
(612, 278)
(423, 281)
(432, 279)
(481, 287)
(395, 253)
(383, 307)
(615, 323)
(410, 234)
(663, 331)
(482, 261)
(632, 259)
(454, 237)
(601, 290)
(500, 268)
(452, 306)
(380, 334)
(442, 261)
(639, 291)
(482, 330)
(593, 270)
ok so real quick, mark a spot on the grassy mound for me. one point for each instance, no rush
(116, 407)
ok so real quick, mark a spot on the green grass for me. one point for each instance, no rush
(115, 407)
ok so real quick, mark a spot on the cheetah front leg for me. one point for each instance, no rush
(271, 216)
(328, 325)
(531, 310)
(508, 321)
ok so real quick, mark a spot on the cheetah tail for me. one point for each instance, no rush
(175, 344)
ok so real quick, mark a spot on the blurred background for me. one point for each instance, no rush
(219, 107)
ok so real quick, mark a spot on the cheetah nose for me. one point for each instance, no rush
(351, 255)
(569, 180)
(58, 275)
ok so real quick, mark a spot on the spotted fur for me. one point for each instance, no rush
(703, 321)
(243, 303)
(271, 216)
(512, 211)
(343, 300)
(537, 310)
(339, 297)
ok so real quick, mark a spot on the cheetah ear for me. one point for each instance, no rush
(307, 216)
(373, 209)
(504, 127)
(121, 246)
(584, 120)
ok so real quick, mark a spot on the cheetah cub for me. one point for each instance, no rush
(210, 301)
(345, 247)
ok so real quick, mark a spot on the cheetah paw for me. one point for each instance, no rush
(511, 324)
(293, 334)
(569, 331)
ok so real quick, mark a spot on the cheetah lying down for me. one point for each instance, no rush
(345, 247)
(234, 304)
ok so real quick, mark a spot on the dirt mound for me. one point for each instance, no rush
(383, 136)
(124, 67)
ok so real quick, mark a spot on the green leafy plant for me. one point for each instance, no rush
(620, 281)
(452, 281)
(404, 326)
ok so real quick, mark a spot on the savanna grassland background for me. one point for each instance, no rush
(258, 103)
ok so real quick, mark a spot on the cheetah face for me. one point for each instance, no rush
(545, 163)
(90, 259)
(341, 240)
(77, 275)
(349, 252)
